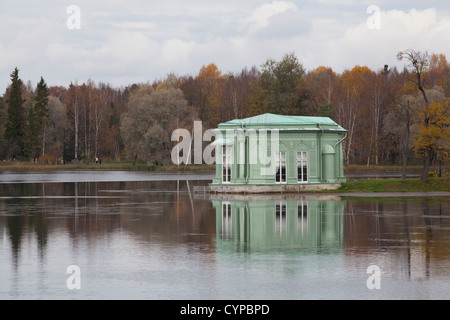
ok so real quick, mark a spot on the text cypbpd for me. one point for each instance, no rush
(229, 309)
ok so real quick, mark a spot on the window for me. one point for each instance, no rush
(280, 217)
(226, 220)
(302, 167)
(226, 163)
(280, 167)
(302, 216)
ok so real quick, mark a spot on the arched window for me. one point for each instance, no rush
(280, 167)
(226, 163)
(302, 167)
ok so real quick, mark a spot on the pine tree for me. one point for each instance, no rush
(31, 137)
(282, 82)
(41, 100)
(3, 144)
(41, 112)
(16, 122)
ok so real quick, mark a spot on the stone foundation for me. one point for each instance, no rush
(281, 188)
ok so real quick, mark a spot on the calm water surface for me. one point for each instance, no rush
(149, 236)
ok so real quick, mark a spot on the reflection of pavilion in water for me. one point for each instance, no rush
(279, 220)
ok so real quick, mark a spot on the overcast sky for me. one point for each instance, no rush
(128, 41)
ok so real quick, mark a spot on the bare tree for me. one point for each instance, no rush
(419, 64)
(73, 111)
(399, 127)
(147, 124)
(320, 84)
(100, 111)
(54, 130)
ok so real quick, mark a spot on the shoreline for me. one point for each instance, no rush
(379, 182)
(404, 194)
(26, 166)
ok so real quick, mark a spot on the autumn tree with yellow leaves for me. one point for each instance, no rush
(208, 94)
(432, 117)
(434, 132)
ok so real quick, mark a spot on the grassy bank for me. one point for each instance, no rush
(396, 185)
(359, 168)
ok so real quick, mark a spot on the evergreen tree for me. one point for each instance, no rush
(41, 101)
(3, 144)
(31, 138)
(2, 105)
(41, 112)
(15, 124)
(282, 82)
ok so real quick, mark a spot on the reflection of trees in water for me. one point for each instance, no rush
(416, 230)
(407, 235)
(152, 211)
(23, 216)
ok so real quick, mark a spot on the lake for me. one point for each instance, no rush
(143, 235)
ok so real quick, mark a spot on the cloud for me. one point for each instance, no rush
(126, 54)
(341, 2)
(175, 51)
(399, 30)
(274, 21)
(122, 42)
(261, 16)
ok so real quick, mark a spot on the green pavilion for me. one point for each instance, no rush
(278, 153)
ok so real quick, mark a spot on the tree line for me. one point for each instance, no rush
(392, 116)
